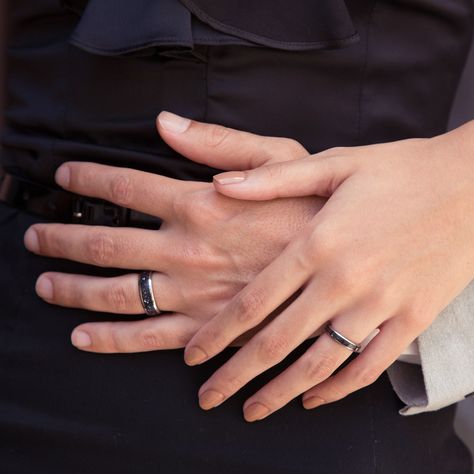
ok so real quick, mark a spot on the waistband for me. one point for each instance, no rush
(62, 206)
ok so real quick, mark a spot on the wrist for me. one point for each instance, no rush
(457, 148)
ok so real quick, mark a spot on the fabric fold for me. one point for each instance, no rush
(299, 25)
(122, 27)
(447, 359)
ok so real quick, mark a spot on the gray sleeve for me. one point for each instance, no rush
(446, 374)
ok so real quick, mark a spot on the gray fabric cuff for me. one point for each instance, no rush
(446, 374)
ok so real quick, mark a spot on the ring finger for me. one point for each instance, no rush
(118, 295)
(314, 366)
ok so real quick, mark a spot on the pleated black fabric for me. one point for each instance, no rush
(85, 82)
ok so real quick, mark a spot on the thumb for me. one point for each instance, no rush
(224, 148)
(312, 175)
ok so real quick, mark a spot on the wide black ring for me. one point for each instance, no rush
(341, 339)
(147, 298)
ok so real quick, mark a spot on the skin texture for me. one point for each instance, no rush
(208, 248)
(390, 248)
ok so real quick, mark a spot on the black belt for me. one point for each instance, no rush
(62, 206)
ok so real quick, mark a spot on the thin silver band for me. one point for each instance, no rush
(343, 340)
(145, 288)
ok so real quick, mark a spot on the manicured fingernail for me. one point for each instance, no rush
(173, 123)
(313, 402)
(231, 177)
(81, 339)
(194, 355)
(44, 288)
(210, 399)
(63, 176)
(255, 411)
(31, 240)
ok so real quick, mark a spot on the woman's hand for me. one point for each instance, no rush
(393, 245)
(208, 248)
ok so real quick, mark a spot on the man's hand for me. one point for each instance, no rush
(208, 248)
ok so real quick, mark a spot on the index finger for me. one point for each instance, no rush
(145, 192)
(223, 147)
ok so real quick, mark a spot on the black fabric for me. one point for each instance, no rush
(69, 208)
(142, 27)
(158, 26)
(301, 24)
(66, 411)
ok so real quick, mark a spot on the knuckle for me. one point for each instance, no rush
(121, 189)
(82, 175)
(114, 341)
(364, 376)
(64, 294)
(212, 339)
(317, 367)
(294, 148)
(100, 249)
(150, 339)
(181, 204)
(378, 298)
(247, 307)
(342, 279)
(338, 150)
(274, 172)
(272, 349)
(117, 298)
(194, 255)
(43, 241)
(216, 135)
(229, 383)
(49, 239)
(417, 321)
(182, 338)
(335, 391)
(334, 151)
(322, 243)
(193, 207)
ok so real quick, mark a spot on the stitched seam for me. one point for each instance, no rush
(178, 42)
(134, 46)
(257, 38)
(364, 73)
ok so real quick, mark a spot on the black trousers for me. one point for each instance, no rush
(63, 411)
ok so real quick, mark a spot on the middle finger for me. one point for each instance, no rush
(124, 247)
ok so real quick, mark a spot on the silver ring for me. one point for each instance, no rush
(343, 340)
(145, 288)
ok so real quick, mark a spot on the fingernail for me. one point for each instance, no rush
(210, 399)
(194, 355)
(255, 411)
(31, 240)
(231, 177)
(63, 176)
(44, 288)
(313, 402)
(173, 123)
(81, 339)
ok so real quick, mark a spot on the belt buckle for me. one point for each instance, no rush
(95, 212)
